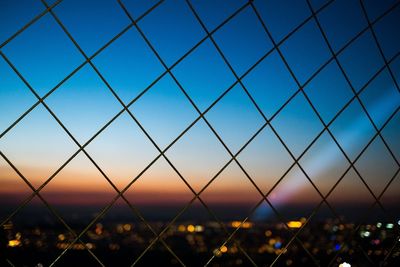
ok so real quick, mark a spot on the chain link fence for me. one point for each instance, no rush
(264, 198)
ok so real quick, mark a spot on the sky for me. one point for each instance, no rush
(44, 55)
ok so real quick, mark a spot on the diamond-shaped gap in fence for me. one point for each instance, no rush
(159, 193)
(122, 150)
(204, 75)
(352, 129)
(249, 39)
(381, 98)
(361, 60)
(198, 155)
(297, 125)
(329, 97)
(12, 102)
(324, 163)
(351, 22)
(120, 65)
(294, 196)
(33, 153)
(231, 189)
(282, 17)
(265, 159)
(38, 59)
(270, 84)
(386, 34)
(305, 45)
(376, 166)
(176, 31)
(345, 201)
(225, 118)
(85, 21)
(78, 192)
(17, 16)
(73, 106)
(164, 111)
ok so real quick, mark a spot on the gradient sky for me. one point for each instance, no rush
(44, 55)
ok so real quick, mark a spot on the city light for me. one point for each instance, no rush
(190, 228)
(198, 228)
(344, 264)
(268, 233)
(224, 249)
(389, 225)
(294, 224)
(245, 225)
(365, 233)
(271, 236)
(14, 243)
(127, 227)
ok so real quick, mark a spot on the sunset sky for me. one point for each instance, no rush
(44, 56)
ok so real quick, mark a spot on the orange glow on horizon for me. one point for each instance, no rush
(159, 186)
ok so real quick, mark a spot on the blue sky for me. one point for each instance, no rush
(44, 56)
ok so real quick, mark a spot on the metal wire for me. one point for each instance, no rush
(233, 157)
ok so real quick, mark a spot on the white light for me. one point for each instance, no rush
(365, 234)
(389, 225)
(344, 264)
(379, 225)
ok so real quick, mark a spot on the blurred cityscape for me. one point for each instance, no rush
(122, 243)
(282, 115)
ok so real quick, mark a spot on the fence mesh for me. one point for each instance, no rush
(230, 237)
